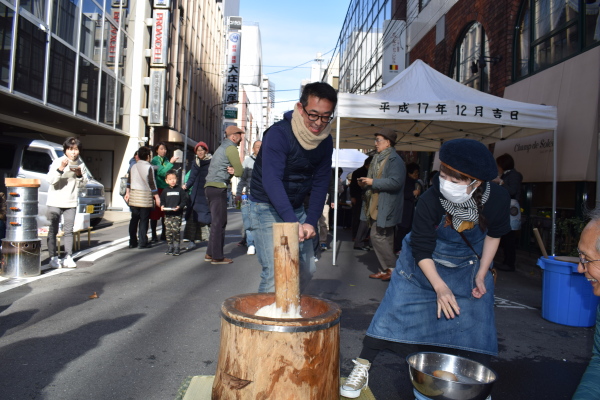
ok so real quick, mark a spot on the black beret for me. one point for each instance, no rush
(469, 157)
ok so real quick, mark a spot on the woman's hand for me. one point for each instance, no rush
(479, 290)
(174, 159)
(446, 303)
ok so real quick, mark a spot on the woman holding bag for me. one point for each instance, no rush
(141, 196)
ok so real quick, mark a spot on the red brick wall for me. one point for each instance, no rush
(498, 18)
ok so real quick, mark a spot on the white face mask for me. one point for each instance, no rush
(454, 192)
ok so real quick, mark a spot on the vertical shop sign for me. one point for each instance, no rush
(113, 32)
(394, 49)
(160, 38)
(232, 83)
(156, 100)
(109, 110)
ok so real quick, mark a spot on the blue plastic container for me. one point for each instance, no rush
(567, 296)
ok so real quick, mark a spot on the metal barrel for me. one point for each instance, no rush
(21, 259)
(21, 212)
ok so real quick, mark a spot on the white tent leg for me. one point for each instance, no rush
(337, 160)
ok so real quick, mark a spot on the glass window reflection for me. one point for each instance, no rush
(61, 79)
(87, 88)
(7, 17)
(30, 59)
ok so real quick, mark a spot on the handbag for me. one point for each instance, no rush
(123, 185)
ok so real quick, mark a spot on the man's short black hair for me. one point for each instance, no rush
(144, 153)
(320, 90)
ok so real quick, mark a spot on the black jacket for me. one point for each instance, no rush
(172, 197)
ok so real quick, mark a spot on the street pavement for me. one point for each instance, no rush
(156, 321)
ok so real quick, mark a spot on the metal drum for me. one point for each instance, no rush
(18, 193)
(21, 259)
(22, 208)
(21, 228)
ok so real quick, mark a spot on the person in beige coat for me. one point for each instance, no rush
(141, 196)
(67, 176)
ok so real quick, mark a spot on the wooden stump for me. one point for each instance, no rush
(286, 266)
(263, 358)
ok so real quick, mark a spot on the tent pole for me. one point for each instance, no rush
(335, 211)
(554, 185)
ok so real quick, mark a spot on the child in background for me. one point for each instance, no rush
(173, 200)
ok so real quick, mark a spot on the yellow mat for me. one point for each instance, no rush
(200, 388)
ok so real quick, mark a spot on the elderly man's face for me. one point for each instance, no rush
(588, 251)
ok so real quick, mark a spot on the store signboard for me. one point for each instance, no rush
(394, 49)
(162, 3)
(231, 112)
(112, 102)
(113, 40)
(232, 82)
(235, 23)
(156, 99)
(160, 38)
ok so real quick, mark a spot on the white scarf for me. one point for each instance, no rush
(307, 139)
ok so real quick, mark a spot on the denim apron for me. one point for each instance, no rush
(408, 311)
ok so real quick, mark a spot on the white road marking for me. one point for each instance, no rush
(503, 303)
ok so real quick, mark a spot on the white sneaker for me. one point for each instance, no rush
(191, 246)
(251, 250)
(357, 380)
(68, 262)
(55, 262)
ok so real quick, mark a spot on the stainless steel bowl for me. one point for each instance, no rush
(475, 381)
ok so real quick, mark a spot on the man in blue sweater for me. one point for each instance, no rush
(294, 159)
(589, 264)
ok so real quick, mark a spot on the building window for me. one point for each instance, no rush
(550, 31)
(30, 59)
(61, 79)
(469, 61)
(7, 17)
(64, 20)
(87, 89)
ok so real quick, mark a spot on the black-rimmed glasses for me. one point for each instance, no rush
(314, 117)
(583, 261)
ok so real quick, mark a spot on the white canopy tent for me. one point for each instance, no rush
(427, 108)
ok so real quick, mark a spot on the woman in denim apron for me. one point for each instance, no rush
(441, 295)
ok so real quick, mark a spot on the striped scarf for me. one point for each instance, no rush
(465, 212)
